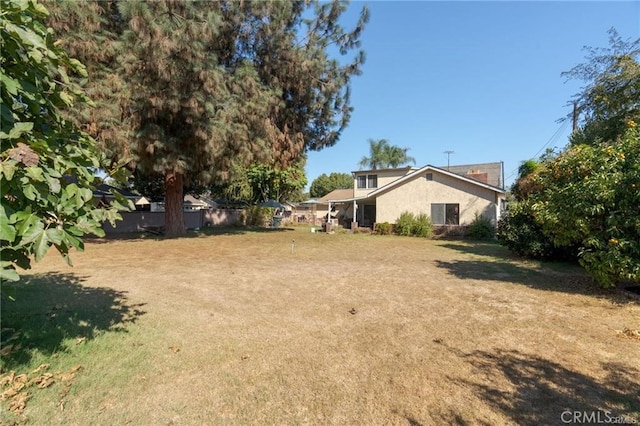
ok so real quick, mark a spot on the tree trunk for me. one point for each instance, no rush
(173, 208)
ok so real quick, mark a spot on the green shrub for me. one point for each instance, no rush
(405, 224)
(520, 233)
(422, 226)
(257, 216)
(383, 228)
(480, 228)
(409, 224)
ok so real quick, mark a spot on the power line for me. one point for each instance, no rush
(553, 139)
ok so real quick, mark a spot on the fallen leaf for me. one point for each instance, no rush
(41, 367)
(24, 154)
(8, 393)
(627, 333)
(46, 383)
(8, 378)
(18, 403)
(21, 378)
(174, 349)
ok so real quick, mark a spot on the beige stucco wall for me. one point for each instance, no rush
(385, 176)
(416, 195)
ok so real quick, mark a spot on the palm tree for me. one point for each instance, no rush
(383, 155)
(397, 156)
(378, 149)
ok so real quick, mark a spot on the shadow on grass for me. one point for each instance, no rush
(539, 391)
(51, 311)
(502, 265)
(203, 232)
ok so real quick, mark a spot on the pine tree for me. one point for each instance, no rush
(215, 85)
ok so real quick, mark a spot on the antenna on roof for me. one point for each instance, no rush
(448, 155)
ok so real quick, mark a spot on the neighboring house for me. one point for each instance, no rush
(190, 203)
(103, 194)
(449, 197)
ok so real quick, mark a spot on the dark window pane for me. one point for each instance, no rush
(453, 214)
(362, 182)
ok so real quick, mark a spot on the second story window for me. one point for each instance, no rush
(362, 182)
(367, 181)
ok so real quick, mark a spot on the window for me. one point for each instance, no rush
(367, 181)
(428, 176)
(362, 182)
(445, 214)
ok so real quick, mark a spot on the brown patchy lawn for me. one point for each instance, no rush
(234, 328)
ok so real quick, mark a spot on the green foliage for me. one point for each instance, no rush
(422, 227)
(518, 231)
(384, 228)
(480, 228)
(590, 197)
(323, 184)
(409, 224)
(46, 163)
(209, 86)
(405, 224)
(383, 155)
(609, 99)
(270, 183)
(257, 216)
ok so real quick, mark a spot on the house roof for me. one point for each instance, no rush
(417, 172)
(406, 168)
(337, 194)
(428, 167)
(190, 199)
(104, 190)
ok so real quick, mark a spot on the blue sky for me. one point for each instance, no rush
(481, 79)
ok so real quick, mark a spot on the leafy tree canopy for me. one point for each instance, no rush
(590, 197)
(209, 86)
(324, 184)
(611, 95)
(46, 164)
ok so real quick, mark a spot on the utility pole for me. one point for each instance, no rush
(575, 116)
(448, 155)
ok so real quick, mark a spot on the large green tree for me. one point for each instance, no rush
(587, 197)
(46, 164)
(590, 197)
(213, 85)
(611, 94)
(383, 155)
(324, 184)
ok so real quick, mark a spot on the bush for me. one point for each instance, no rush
(480, 228)
(410, 225)
(520, 233)
(383, 228)
(257, 216)
(422, 226)
(405, 224)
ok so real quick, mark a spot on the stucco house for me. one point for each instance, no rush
(449, 195)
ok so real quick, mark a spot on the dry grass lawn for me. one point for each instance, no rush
(243, 328)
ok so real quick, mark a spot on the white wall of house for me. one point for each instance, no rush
(418, 194)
